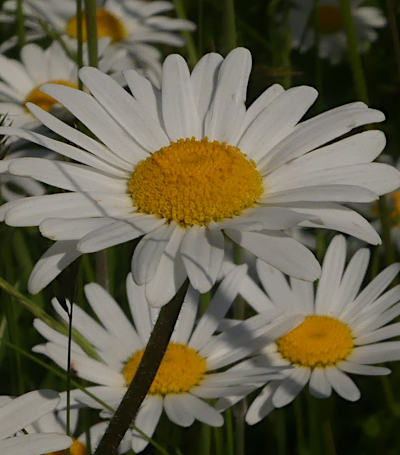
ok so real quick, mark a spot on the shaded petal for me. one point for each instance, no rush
(342, 384)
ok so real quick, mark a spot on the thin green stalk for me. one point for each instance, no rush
(229, 41)
(391, 15)
(281, 431)
(55, 36)
(190, 45)
(230, 440)
(314, 428)
(68, 423)
(219, 441)
(299, 417)
(200, 27)
(91, 31)
(102, 269)
(326, 406)
(20, 24)
(287, 47)
(204, 441)
(79, 40)
(41, 314)
(146, 372)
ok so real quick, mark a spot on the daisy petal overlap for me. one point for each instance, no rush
(187, 377)
(179, 164)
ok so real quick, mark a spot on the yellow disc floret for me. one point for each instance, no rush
(329, 19)
(77, 448)
(318, 342)
(195, 182)
(108, 26)
(42, 100)
(181, 369)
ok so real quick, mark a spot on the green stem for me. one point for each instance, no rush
(102, 269)
(20, 24)
(79, 43)
(229, 26)
(68, 423)
(326, 412)
(391, 14)
(146, 372)
(56, 37)
(190, 46)
(91, 31)
(230, 442)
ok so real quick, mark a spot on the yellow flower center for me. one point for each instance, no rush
(195, 182)
(318, 342)
(42, 100)
(108, 26)
(77, 448)
(393, 200)
(181, 369)
(329, 19)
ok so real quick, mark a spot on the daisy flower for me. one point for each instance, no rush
(189, 371)
(17, 413)
(344, 330)
(185, 166)
(131, 25)
(20, 82)
(329, 21)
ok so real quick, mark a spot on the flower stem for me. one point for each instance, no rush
(20, 24)
(147, 370)
(391, 15)
(229, 26)
(91, 31)
(190, 46)
(79, 40)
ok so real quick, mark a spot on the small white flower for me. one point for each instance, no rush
(18, 413)
(344, 330)
(187, 165)
(189, 372)
(328, 18)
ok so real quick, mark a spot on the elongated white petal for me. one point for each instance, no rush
(71, 229)
(282, 252)
(58, 257)
(291, 387)
(147, 420)
(389, 331)
(376, 353)
(342, 384)
(179, 109)
(319, 385)
(203, 411)
(32, 444)
(187, 316)
(262, 405)
(202, 252)
(124, 109)
(356, 368)
(25, 409)
(177, 412)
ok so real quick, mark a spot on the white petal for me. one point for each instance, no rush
(203, 411)
(118, 232)
(262, 405)
(71, 229)
(282, 252)
(124, 109)
(187, 316)
(356, 368)
(51, 264)
(332, 271)
(139, 308)
(68, 176)
(291, 387)
(148, 253)
(219, 305)
(204, 80)
(269, 128)
(177, 412)
(202, 252)
(32, 444)
(319, 385)
(147, 420)
(226, 113)
(376, 353)
(389, 331)
(25, 409)
(170, 273)
(112, 317)
(179, 109)
(342, 384)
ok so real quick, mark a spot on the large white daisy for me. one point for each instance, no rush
(129, 24)
(329, 21)
(190, 369)
(17, 413)
(344, 330)
(185, 166)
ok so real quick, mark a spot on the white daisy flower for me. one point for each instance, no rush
(130, 25)
(17, 413)
(328, 18)
(189, 371)
(20, 82)
(344, 330)
(185, 166)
